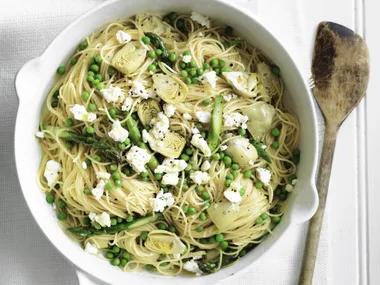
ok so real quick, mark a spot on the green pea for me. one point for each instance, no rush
(193, 72)
(235, 166)
(227, 182)
(144, 174)
(100, 86)
(185, 157)
(206, 102)
(276, 70)
(68, 145)
(224, 69)
(86, 220)
(158, 52)
(276, 220)
(199, 229)
(259, 184)
(98, 59)
(50, 199)
(194, 81)
(144, 235)
(206, 66)
(90, 78)
(118, 183)
(173, 57)
(247, 174)
(87, 191)
(200, 71)
(73, 61)
(229, 176)
(129, 219)
(115, 261)
(110, 255)
(85, 95)
(61, 70)
(111, 70)
(158, 176)
(242, 253)
(205, 195)
(204, 134)
(61, 204)
(126, 255)
(99, 77)
(275, 132)
(172, 229)
(291, 177)
(185, 187)
(221, 154)
(123, 262)
(152, 54)
(161, 226)
(259, 221)
(189, 151)
(126, 171)
(108, 186)
(92, 107)
(92, 59)
(296, 152)
(264, 216)
(94, 67)
(219, 237)
(235, 173)
(212, 239)
(228, 31)
(184, 73)
(113, 167)
(187, 53)
(187, 80)
(149, 267)
(242, 132)
(90, 130)
(217, 70)
(283, 197)
(191, 211)
(183, 65)
(193, 64)
(113, 221)
(145, 40)
(203, 216)
(275, 144)
(222, 63)
(199, 188)
(68, 122)
(95, 82)
(62, 216)
(83, 45)
(119, 220)
(227, 160)
(152, 68)
(165, 189)
(203, 241)
(242, 191)
(214, 62)
(185, 208)
(216, 156)
(224, 245)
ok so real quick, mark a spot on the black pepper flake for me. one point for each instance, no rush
(231, 64)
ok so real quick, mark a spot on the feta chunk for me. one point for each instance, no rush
(123, 37)
(91, 248)
(235, 120)
(263, 175)
(198, 141)
(171, 166)
(203, 117)
(103, 219)
(80, 113)
(192, 266)
(51, 171)
(186, 58)
(160, 126)
(176, 255)
(138, 90)
(161, 201)
(170, 179)
(232, 193)
(169, 110)
(187, 116)
(205, 165)
(200, 177)
(103, 175)
(127, 105)
(289, 187)
(112, 94)
(199, 18)
(98, 191)
(40, 135)
(210, 78)
(137, 158)
(118, 133)
(84, 165)
(223, 147)
(229, 97)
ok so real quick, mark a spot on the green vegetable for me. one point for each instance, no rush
(184, 73)
(172, 229)
(276, 70)
(214, 62)
(92, 107)
(61, 204)
(205, 195)
(275, 132)
(85, 95)
(228, 44)
(73, 61)
(91, 231)
(261, 152)
(247, 174)
(94, 67)
(216, 123)
(126, 255)
(152, 68)
(90, 130)
(228, 31)
(110, 255)
(61, 70)
(149, 267)
(227, 160)
(227, 182)
(275, 144)
(158, 52)
(83, 45)
(206, 66)
(276, 220)
(203, 216)
(199, 229)
(145, 40)
(223, 245)
(107, 150)
(173, 57)
(62, 216)
(115, 261)
(123, 262)
(144, 235)
(219, 237)
(68, 122)
(152, 54)
(158, 43)
(235, 166)
(129, 219)
(162, 226)
(50, 199)
(259, 185)
(98, 59)
(191, 211)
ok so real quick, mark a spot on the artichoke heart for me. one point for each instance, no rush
(241, 151)
(223, 214)
(164, 242)
(129, 58)
(171, 146)
(147, 110)
(170, 88)
(244, 83)
(260, 118)
(151, 23)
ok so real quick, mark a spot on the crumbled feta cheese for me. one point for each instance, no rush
(169, 110)
(209, 77)
(103, 219)
(127, 105)
(137, 158)
(161, 201)
(138, 90)
(187, 116)
(51, 171)
(203, 117)
(170, 179)
(40, 135)
(229, 97)
(186, 58)
(263, 146)
(91, 248)
(171, 166)
(232, 193)
(294, 181)
(160, 126)
(198, 141)
(263, 175)
(118, 133)
(205, 165)
(289, 187)
(112, 94)
(103, 175)
(192, 266)
(98, 191)
(80, 113)
(123, 37)
(235, 120)
(84, 165)
(200, 177)
(176, 255)
(203, 20)
(223, 147)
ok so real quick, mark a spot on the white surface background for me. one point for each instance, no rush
(350, 252)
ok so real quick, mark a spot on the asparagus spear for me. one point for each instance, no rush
(216, 123)
(108, 150)
(158, 43)
(91, 231)
(260, 151)
(135, 136)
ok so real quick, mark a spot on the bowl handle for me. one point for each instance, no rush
(85, 279)
(305, 204)
(27, 78)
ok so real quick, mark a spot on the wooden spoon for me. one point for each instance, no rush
(340, 70)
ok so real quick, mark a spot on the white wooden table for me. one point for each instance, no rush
(353, 228)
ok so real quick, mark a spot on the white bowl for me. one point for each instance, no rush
(36, 77)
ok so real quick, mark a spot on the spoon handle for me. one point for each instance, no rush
(315, 225)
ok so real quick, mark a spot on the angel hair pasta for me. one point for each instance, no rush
(167, 146)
